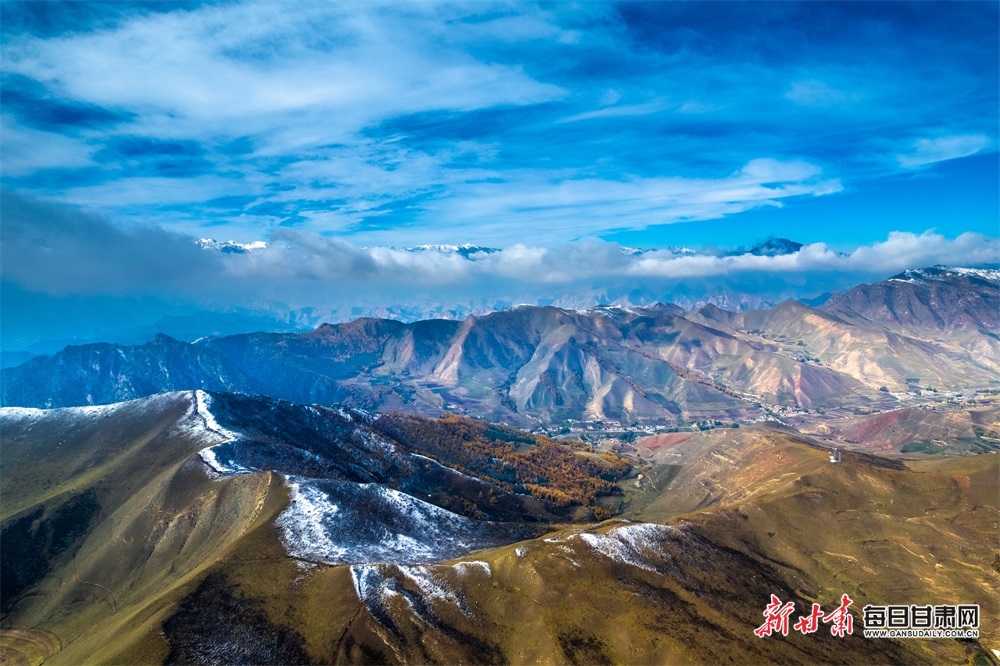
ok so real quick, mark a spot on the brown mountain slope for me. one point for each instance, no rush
(931, 298)
(182, 567)
(865, 350)
(109, 512)
(885, 530)
(929, 429)
(522, 365)
(788, 523)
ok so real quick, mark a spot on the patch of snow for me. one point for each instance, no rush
(431, 589)
(11, 414)
(455, 471)
(561, 537)
(376, 444)
(209, 457)
(375, 589)
(341, 522)
(34, 414)
(201, 421)
(923, 276)
(305, 524)
(230, 246)
(376, 584)
(365, 414)
(629, 544)
(569, 559)
(203, 404)
(367, 581)
(565, 552)
(992, 274)
(465, 568)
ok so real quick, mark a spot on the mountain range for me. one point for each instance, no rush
(931, 329)
(195, 527)
(39, 323)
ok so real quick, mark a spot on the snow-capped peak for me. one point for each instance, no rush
(230, 246)
(466, 250)
(938, 273)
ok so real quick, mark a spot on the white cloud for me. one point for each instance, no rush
(610, 96)
(929, 151)
(62, 250)
(814, 93)
(354, 118)
(908, 250)
(26, 150)
(305, 256)
(154, 190)
(325, 66)
(623, 110)
(901, 250)
(552, 210)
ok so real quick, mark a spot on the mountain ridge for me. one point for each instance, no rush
(255, 553)
(542, 365)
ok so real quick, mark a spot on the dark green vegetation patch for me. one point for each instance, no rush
(31, 543)
(218, 624)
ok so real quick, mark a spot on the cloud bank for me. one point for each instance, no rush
(60, 250)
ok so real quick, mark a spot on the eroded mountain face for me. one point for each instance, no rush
(529, 365)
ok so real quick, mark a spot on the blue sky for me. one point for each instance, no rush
(497, 123)
(559, 132)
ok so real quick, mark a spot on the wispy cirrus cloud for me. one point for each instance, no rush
(814, 93)
(570, 209)
(940, 149)
(620, 111)
(425, 121)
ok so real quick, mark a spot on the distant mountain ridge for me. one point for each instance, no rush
(939, 297)
(40, 323)
(532, 365)
(771, 247)
(230, 246)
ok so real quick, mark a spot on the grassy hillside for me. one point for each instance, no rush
(175, 565)
(116, 515)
